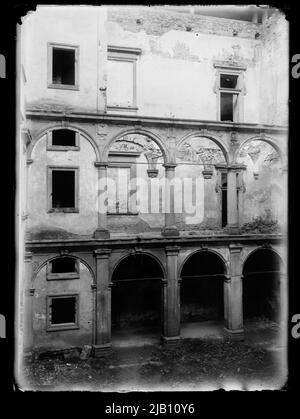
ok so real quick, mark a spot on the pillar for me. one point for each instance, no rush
(171, 297)
(170, 228)
(210, 198)
(283, 299)
(285, 185)
(103, 301)
(232, 203)
(28, 303)
(102, 231)
(233, 295)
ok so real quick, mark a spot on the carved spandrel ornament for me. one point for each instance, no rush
(137, 143)
(201, 151)
(260, 154)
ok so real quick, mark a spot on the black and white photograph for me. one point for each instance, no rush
(152, 199)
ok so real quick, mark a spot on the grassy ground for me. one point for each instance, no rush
(188, 365)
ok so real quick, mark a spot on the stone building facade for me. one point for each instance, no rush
(116, 105)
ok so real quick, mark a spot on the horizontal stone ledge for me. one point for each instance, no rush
(158, 241)
(156, 121)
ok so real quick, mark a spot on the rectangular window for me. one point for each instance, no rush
(63, 268)
(62, 312)
(230, 91)
(229, 107)
(63, 265)
(63, 139)
(121, 77)
(63, 185)
(228, 81)
(63, 66)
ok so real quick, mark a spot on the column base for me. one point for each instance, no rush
(170, 231)
(236, 335)
(101, 234)
(101, 350)
(170, 340)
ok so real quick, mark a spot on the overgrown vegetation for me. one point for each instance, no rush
(261, 224)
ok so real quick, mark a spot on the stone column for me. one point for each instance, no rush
(170, 228)
(210, 198)
(171, 300)
(232, 203)
(285, 182)
(233, 295)
(28, 303)
(102, 232)
(103, 301)
(282, 300)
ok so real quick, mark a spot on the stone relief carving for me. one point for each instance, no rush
(138, 143)
(201, 151)
(260, 153)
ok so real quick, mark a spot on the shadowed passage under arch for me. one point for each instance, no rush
(261, 285)
(202, 288)
(137, 296)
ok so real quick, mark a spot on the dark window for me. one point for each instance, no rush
(226, 107)
(63, 310)
(64, 137)
(63, 265)
(63, 189)
(224, 198)
(229, 106)
(63, 66)
(228, 81)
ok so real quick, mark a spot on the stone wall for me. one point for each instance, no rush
(158, 20)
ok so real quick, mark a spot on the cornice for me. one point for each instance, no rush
(154, 121)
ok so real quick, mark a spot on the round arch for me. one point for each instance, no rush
(270, 248)
(144, 132)
(194, 252)
(265, 139)
(262, 285)
(141, 252)
(213, 138)
(51, 128)
(50, 259)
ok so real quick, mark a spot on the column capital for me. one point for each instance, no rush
(236, 167)
(172, 250)
(169, 166)
(102, 253)
(100, 164)
(28, 257)
(227, 278)
(207, 174)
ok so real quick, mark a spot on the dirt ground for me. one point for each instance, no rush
(190, 364)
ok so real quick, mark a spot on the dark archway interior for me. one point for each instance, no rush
(136, 293)
(261, 280)
(202, 288)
